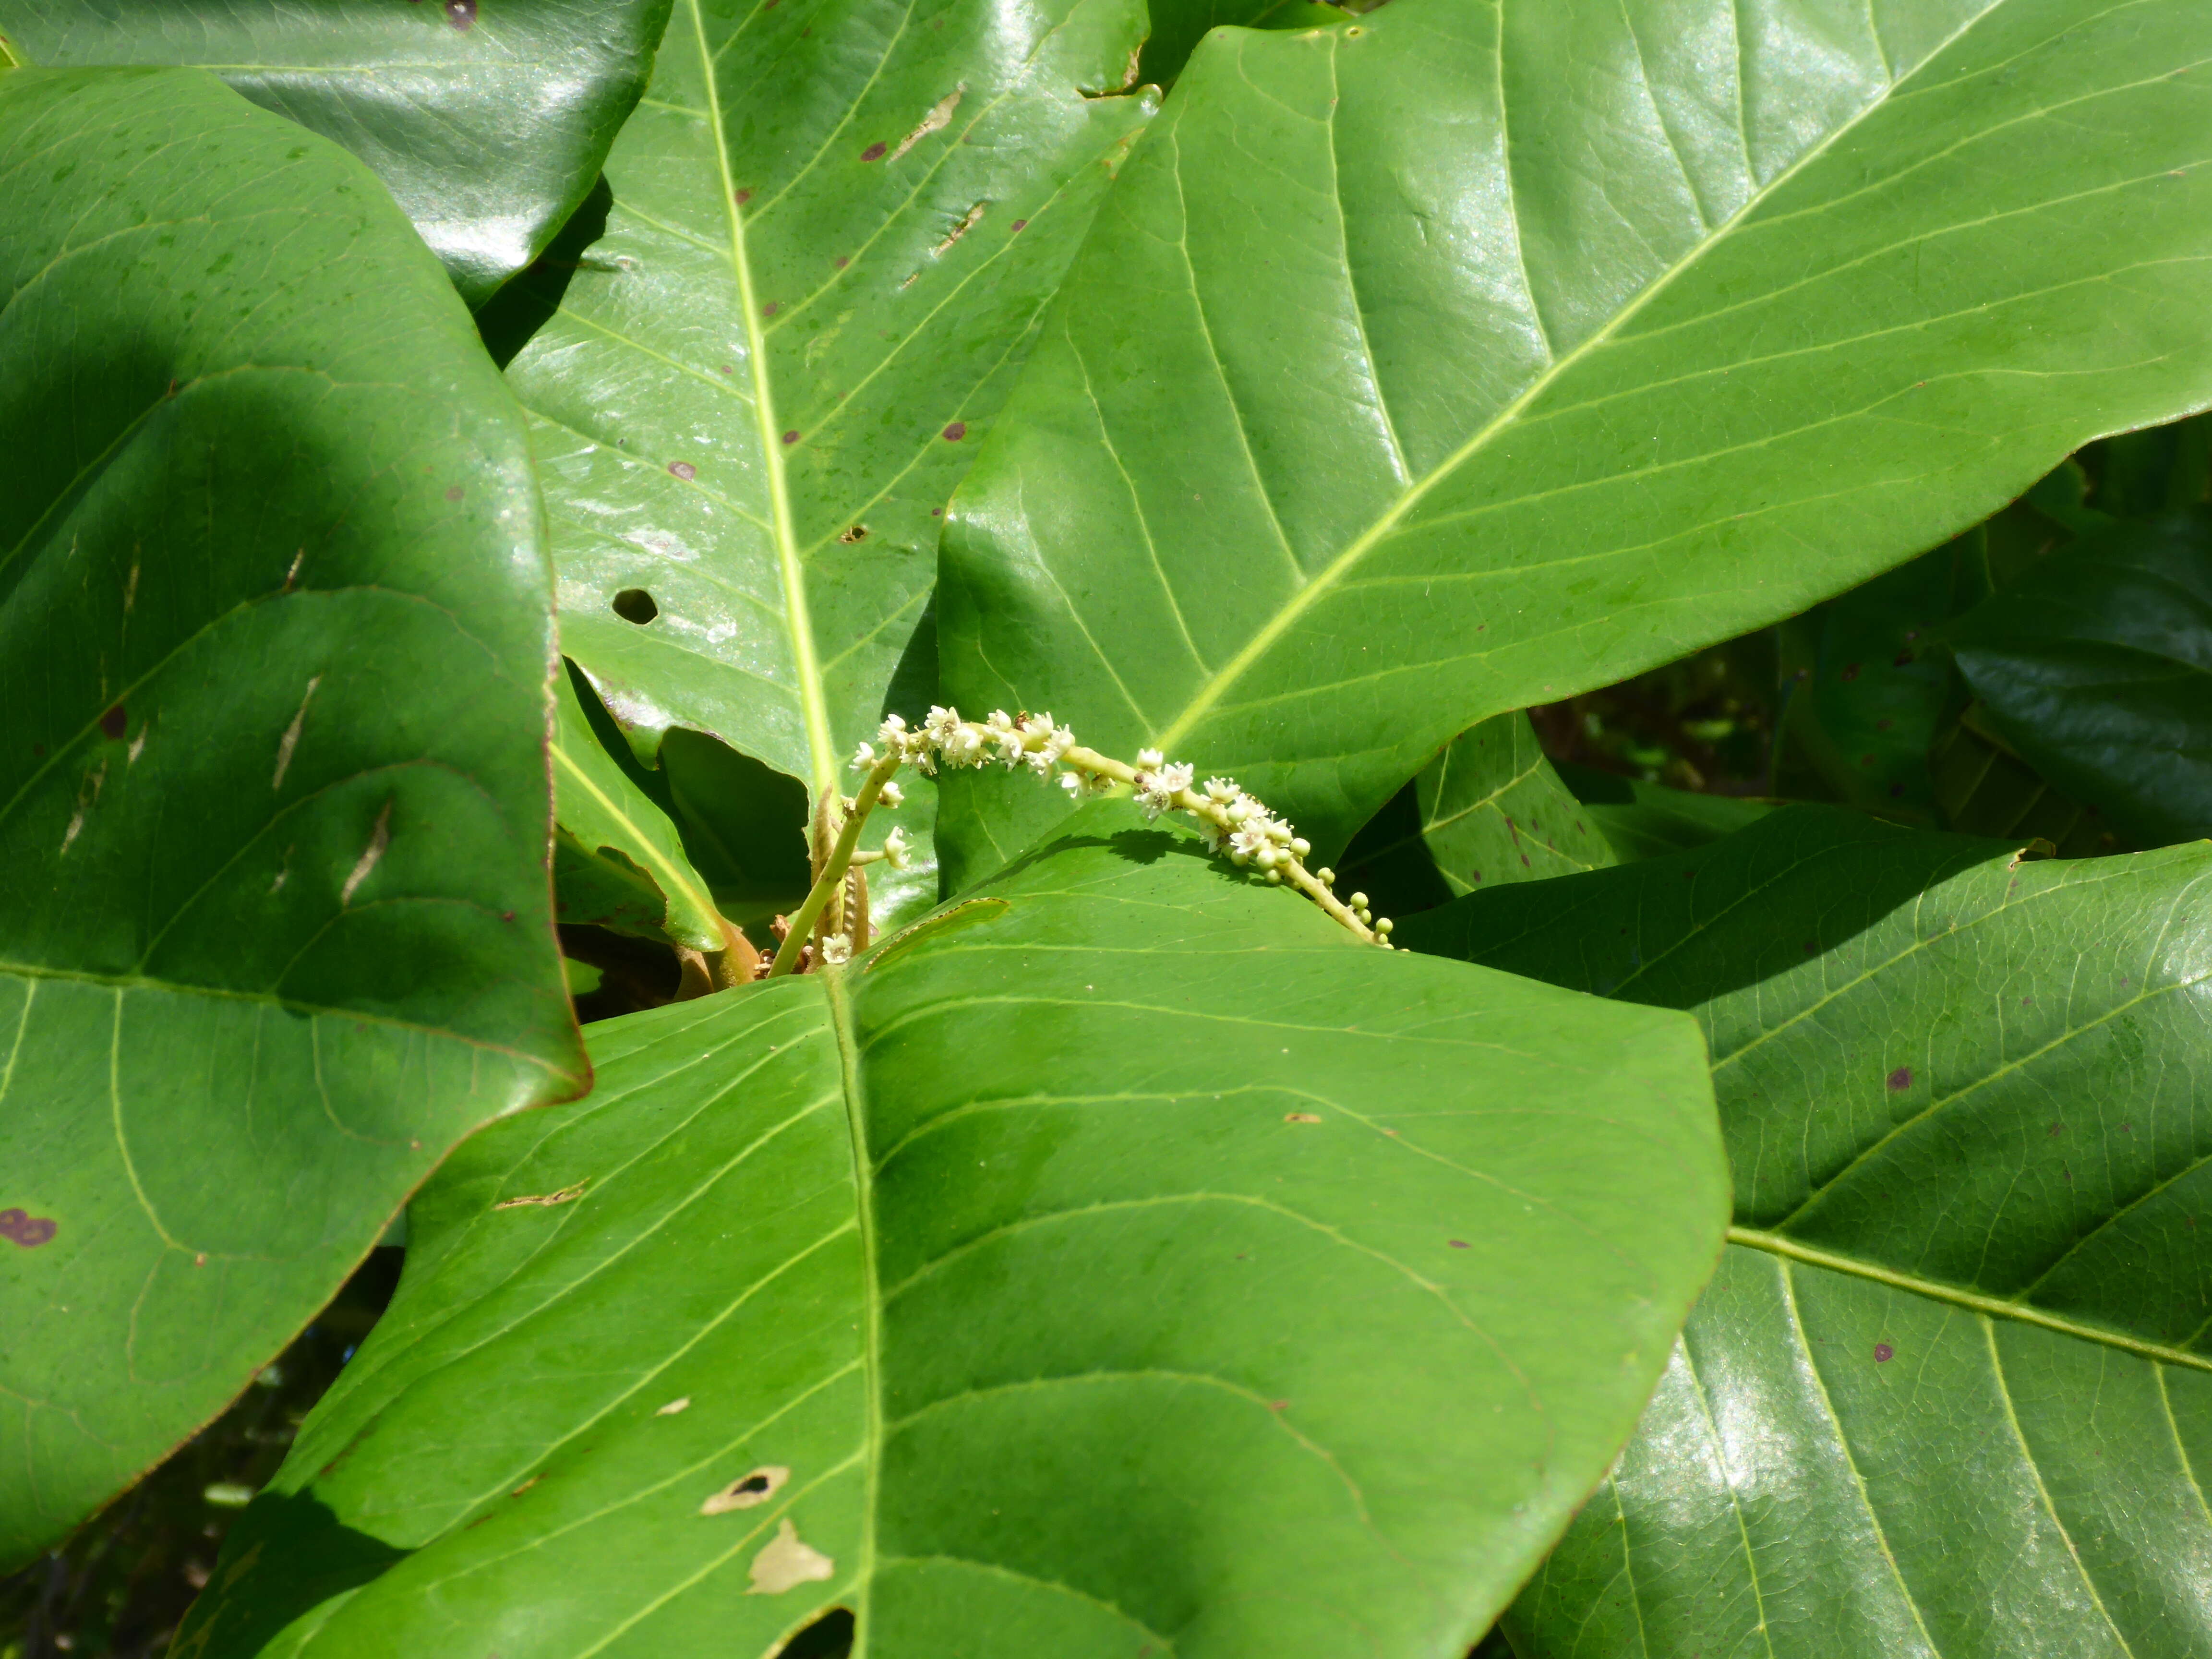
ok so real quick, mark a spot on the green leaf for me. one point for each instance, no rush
(617, 860)
(758, 365)
(1472, 355)
(1490, 808)
(1952, 1392)
(1869, 685)
(1177, 26)
(488, 129)
(1208, 1280)
(275, 642)
(1644, 820)
(2097, 666)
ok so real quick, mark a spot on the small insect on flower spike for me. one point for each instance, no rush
(1232, 821)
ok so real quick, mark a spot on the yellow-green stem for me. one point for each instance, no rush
(833, 872)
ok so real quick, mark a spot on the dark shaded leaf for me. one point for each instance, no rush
(276, 642)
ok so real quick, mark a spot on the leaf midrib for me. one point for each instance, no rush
(1995, 1307)
(1318, 587)
(813, 707)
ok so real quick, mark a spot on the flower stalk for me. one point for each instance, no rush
(1232, 821)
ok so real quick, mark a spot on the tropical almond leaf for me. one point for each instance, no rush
(1869, 683)
(276, 635)
(1643, 820)
(619, 861)
(488, 129)
(2097, 666)
(1208, 1280)
(758, 364)
(1489, 809)
(1473, 355)
(1962, 1100)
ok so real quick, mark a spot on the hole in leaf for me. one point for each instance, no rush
(829, 1636)
(634, 604)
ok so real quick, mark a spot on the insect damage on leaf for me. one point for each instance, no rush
(747, 1491)
(787, 1562)
(379, 839)
(548, 1199)
(940, 115)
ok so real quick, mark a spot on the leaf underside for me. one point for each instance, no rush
(1122, 1258)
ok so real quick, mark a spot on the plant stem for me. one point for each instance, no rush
(833, 872)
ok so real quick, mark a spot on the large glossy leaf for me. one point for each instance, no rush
(275, 646)
(1952, 1392)
(1489, 808)
(1475, 355)
(487, 126)
(2097, 666)
(761, 362)
(1124, 1257)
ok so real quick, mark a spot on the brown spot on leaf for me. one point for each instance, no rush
(114, 722)
(684, 469)
(770, 309)
(874, 152)
(791, 437)
(28, 1229)
(1901, 1079)
(1018, 224)
(1457, 1243)
(744, 197)
(1301, 1117)
(1883, 1354)
(454, 492)
(956, 432)
(747, 1489)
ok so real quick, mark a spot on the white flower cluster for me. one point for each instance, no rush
(1232, 821)
(944, 739)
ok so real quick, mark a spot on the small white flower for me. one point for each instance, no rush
(837, 948)
(1081, 786)
(1156, 787)
(962, 745)
(892, 733)
(890, 794)
(1148, 758)
(941, 723)
(863, 757)
(1247, 842)
(1222, 791)
(896, 850)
